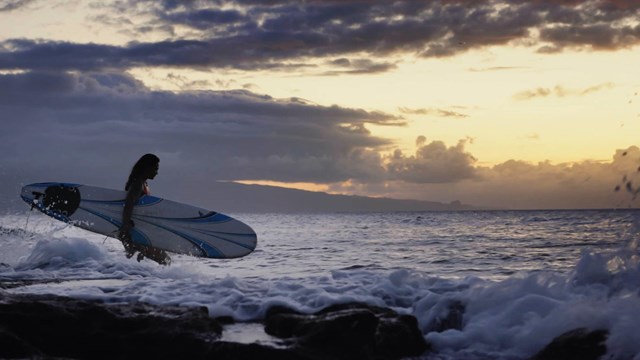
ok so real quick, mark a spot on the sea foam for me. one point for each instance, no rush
(502, 317)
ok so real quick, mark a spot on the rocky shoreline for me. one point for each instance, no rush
(46, 326)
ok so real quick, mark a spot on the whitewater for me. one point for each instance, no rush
(524, 277)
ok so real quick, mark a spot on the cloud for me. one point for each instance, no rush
(586, 184)
(496, 68)
(249, 35)
(597, 37)
(358, 67)
(202, 19)
(560, 91)
(533, 136)
(90, 127)
(184, 83)
(11, 5)
(522, 185)
(431, 111)
(432, 163)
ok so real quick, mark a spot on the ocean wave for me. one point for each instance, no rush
(509, 317)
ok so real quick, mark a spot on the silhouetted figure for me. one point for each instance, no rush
(146, 168)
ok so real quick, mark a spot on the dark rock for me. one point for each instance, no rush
(452, 320)
(357, 306)
(12, 347)
(349, 331)
(347, 334)
(282, 321)
(225, 320)
(57, 327)
(399, 337)
(578, 344)
(69, 328)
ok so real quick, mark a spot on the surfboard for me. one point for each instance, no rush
(160, 223)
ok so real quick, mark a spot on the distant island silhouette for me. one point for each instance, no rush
(235, 197)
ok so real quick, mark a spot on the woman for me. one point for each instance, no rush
(146, 168)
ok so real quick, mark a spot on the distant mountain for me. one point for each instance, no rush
(233, 197)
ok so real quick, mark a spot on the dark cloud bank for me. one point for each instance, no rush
(232, 134)
(90, 128)
(253, 35)
(71, 112)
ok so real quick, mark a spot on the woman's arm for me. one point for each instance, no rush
(135, 189)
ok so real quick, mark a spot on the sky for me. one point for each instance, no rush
(521, 104)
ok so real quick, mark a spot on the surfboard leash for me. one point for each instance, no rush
(27, 223)
(34, 203)
(109, 235)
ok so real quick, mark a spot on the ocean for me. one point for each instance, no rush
(525, 277)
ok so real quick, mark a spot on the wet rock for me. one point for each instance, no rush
(350, 331)
(34, 326)
(452, 320)
(12, 347)
(225, 320)
(399, 337)
(578, 344)
(49, 326)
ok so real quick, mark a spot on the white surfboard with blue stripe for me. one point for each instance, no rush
(158, 222)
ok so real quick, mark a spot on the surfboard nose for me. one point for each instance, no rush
(58, 198)
(32, 193)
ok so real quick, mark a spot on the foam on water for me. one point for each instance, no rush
(383, 260)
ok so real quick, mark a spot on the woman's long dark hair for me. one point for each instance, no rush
(145, 162)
